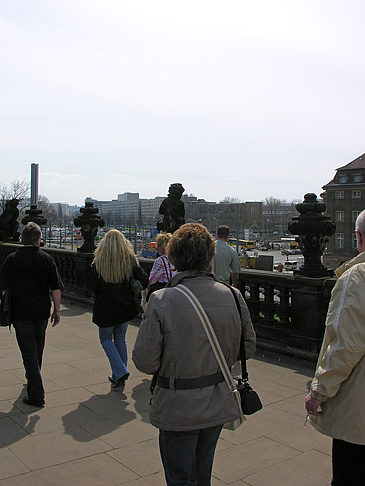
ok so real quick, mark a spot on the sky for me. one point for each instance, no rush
(247, 99)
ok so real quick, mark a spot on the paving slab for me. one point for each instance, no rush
(89, 434)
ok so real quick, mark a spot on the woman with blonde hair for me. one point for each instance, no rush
(113, 267)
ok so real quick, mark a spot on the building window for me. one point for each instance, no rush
(343, 179)
(356, 194)
(354, 241)
(339, 195)
(358, 178)
(340, 239)
(355, 214)
(340, 216)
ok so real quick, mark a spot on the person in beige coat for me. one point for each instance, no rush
(336, 402)
(191, 400)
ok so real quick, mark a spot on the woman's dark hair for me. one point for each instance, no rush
(191, 247)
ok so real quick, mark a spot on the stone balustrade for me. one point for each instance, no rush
(288, 312)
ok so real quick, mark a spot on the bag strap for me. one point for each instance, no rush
(242, 342)
(164, 264)
(210, 334)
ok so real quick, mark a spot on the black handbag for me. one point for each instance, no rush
(250, 401)
(5, 309)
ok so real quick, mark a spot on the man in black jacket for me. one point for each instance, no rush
(30, 273)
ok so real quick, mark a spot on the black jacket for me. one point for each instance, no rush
(114, 303)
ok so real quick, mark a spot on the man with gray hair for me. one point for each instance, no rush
(30, 274)
(336, 402)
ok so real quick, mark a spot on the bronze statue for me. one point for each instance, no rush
(8, 221)
(173, 210)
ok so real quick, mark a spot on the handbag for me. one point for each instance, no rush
(136, 288)
(231, 384)
(5, 309)
(250, 401)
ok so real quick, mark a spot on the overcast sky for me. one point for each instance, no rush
(242, 98)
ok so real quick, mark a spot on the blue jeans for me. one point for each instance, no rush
(113, 341)
(187, 457)
(31, 336)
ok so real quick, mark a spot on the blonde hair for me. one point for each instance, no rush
(162, 239)
(114, 258)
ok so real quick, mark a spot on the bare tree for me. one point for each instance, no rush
(17, 189)
(230, 200)
(48, 211)
(277, 213)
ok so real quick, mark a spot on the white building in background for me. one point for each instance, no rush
(129, 208)
(149, 209)
(124, 209)
(62, 210)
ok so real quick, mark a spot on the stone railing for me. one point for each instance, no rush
(74, 268)
(288, 312)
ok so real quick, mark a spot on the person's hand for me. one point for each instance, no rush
(55, 318)
(313, 406)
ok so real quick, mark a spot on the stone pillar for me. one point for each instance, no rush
(313, 230)
(89, 222)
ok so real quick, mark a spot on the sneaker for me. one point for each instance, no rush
(120, 382)
(34, 403)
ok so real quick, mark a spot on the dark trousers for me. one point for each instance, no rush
(30, 336)
(187, 457)
(347, 463)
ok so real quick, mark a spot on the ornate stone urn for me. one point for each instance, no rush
(89, 222)
(313, 230)
(34, 215)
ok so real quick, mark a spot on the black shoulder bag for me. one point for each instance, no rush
(250, 401)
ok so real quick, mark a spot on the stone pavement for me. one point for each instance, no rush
(88, 434)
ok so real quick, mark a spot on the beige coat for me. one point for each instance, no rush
(340, 373)
(172, 342)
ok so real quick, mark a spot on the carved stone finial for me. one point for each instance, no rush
(313, 230)
(34, 216)
(8, 222)
(89, 221)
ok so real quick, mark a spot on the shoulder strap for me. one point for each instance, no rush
(210, 334)
(242, 342)
(164, 264)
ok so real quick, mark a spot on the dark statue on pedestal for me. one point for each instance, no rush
(8, 222)
(313, 230)
(173, 210)
(34, 216)
(89, 221)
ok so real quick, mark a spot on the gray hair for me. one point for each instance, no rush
(360, 223)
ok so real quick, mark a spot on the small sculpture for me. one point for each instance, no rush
(313, 230)
(89, 222)
(8, 221)
(34, 216)
(173, 210)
